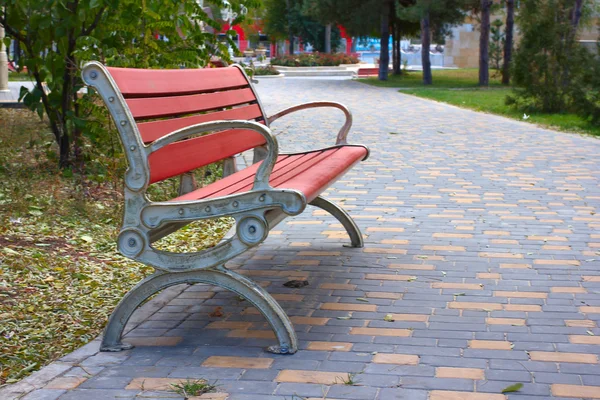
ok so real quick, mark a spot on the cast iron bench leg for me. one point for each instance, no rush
(342, 216)
(218, 276)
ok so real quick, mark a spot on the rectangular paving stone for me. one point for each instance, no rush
(99, 394)
(348, 307)
(450, 395)
(505, 321)
(581, 323)
(44, 394)
(582, 339)
(160, 384)
(320, 377)
(460, 373)
(242, 333)
(576, 391)
(384, 295)
(65, 382)
(401, 394)
(589, 309)
(352, 392)
(461, 305)
(337, 286)
(237, 362)
(416, 267)
(329, 346)
(398, 359)
(450, 285)
(380, 332)
(490, 344)
(527, 295)
(301, 390)
(563, 357)
(390, 277)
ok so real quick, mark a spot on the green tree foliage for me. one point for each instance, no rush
(286, 18)
(497, 39)
(57, 36)
(436, 17)
(368, 18)
(554, 72)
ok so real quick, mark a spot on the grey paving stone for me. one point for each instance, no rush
(251, 387)
(99, 394)
(527, 389)
(402, 394)
(505, 375)
(301, 390)
(44, 394)
(414, 382)
(260, 375)
(352, 392)
(551, 378)
(106, 382)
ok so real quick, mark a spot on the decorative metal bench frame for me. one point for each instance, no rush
(133, 95)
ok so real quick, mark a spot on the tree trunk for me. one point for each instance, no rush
(425, 45)
(354, 45)
(576, 14)
(508, 41)
(484, 44)
(384, 55)
(397, 56)
(328, 38)
(290, 32)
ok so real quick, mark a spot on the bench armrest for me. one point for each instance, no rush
(341, 137)
(261, 180)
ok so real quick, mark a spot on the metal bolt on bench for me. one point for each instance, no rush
(160, 115)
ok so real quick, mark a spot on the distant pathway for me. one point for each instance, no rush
(482, 245)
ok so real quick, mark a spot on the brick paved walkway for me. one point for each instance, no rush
(482, 242)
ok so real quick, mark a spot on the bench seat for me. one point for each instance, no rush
(310, 173)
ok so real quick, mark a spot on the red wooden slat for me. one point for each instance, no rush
(151, 131)
(312, 182)
(190, 154)
(229, 184)
(325, 168)
(288, 173)
(297, 162)
(246, 180)
(158, 107)
(173, 82)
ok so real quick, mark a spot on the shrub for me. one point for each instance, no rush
(314, 60)
(268, 70)
(555, 74)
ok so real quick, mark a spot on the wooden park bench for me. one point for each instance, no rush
(172, 122)
(367, 72)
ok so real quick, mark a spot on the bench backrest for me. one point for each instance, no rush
(162, 101)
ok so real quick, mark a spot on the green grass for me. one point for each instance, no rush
(492, 101)
(446, 78)
(459, 87)
(60, 273)
(192, 388)
(18, 77)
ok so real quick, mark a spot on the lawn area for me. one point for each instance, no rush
(60, 273)
(442, 78)
(459, 88)
(19, 77)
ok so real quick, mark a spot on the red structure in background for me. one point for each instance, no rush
(348, 39)
(242, 41)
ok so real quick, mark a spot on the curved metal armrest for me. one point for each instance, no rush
(341, 137)
(261, 180)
